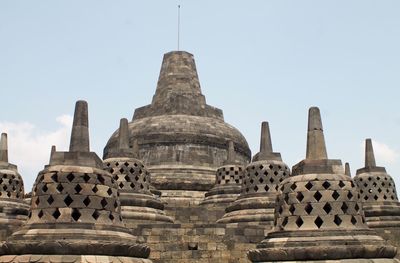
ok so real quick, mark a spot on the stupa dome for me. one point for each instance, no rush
(182, 140)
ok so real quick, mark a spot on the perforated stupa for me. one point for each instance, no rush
(318, 215)
(75, 211)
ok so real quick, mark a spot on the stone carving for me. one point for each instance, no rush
(256, 202)
(182, 139)
(377, 192)
(318, 214)
(75, 209)
(228, 180)
(14, 211)
(137, 200)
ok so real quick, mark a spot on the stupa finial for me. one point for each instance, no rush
(3, 148)
(369, 154)
(265, 141)
(231, 153)
(316, 149)
(80, 128)
(347, 169)
(123, 137)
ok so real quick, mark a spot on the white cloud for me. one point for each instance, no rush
(383, 153)
(29, 147)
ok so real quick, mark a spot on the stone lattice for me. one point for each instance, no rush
(75, 210)
(256, 202)
(378, 192)
(318, 214)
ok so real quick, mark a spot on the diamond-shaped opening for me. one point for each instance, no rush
(115, 204)
(286, 198)
(300, 196)
(5, 188)
(374, 184)
(132, 185)
(56, 214)
(261, 180)
(112, 170)
(50, 200)
(60, 188)
(256, 174)
(54, 177)
(344, 207)
(96, 215)
(86, 201)
(308, 208)
(292, 209)
(261, 167)
(251, 181)
(126, 177)
(271, 166)
(256, 188)
(326, 184)
(78, 188)
(40, 214)
(337, 220)
(68, 200)
(272, 180)
(327, 208)
(280, 210)
(335, 195)
(8, 194)
(37, 201)
(365, 198)
(349, 195)
(266, 188)
(353, 220)
(384, 197)
(131, 170)
(276, 173)
(136, 178)
(75, 214)
(44, 188)
(121, 185)
(293, 186)
(100, 178)
(116, 163)
(318, 222)
(111, 216)
(109, 191)
(86, 177)
(375, 197)
(369, 178)
(70, 177)
(299, 222)
(140, 171)
(341, 184)
(103, 203)
(121, 170)
(356, 207)
(285, 221)
(317, 196)
(95, 189)
(265, 173)
(126, 164)
(309, 185)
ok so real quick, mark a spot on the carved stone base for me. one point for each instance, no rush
(71, 258)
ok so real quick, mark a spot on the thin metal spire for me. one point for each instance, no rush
(179, 23)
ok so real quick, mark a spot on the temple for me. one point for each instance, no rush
(177, 184)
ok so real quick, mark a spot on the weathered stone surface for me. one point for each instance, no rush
(182, 140)
(256, 202)
(13, 209)
(75, 210)
(319, 216)
(377, 192)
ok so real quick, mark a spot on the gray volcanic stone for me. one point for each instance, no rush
(318, 215)
(13, 209)
(75, 210)
(377, 192)
(182, 140)
(256, 201)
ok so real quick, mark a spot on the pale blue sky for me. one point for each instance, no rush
(257, 60)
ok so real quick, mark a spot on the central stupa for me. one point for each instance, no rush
(182, 140)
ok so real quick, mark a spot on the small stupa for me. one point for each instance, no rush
(256, 202)
(318, 216)
(138, 203)
(377, 192)
(14, 211)
(75, 210)
(228, 180)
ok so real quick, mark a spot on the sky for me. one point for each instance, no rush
(257, 61)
